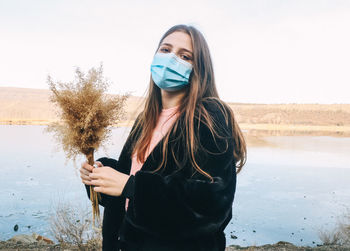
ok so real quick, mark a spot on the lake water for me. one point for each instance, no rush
(290, 188)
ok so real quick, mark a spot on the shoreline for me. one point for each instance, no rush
(40, 243)
(250, 129)
(243, 126)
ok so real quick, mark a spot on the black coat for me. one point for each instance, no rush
(175, 209)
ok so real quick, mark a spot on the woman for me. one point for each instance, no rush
(173, 185)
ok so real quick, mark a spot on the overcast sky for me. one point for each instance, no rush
(295, 51)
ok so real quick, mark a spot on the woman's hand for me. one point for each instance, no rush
(85, 171)
(108, 180)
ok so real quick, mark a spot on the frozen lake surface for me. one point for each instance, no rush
(290, 188)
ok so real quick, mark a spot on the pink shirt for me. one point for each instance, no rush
(166, 118)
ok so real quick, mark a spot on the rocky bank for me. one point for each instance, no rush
(41, 243)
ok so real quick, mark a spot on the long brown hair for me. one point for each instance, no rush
(201, 89)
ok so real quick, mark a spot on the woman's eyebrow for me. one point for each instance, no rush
(170, 45)
(186, 50)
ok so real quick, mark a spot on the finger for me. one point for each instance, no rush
(95, 175)
(83, 164)
(84, 171)
(98, 163)
(99, 189)
(96, 182)
(86, 182)
(98, 170)
(88, 167)
(85, 177)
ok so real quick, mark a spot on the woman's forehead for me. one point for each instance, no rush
(179, 39)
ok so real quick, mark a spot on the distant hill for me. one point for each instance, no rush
(293, 114)
(32, 106)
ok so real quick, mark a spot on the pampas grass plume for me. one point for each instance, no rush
(86, 116)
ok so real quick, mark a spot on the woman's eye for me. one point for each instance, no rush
(164, 49)
(186, 57)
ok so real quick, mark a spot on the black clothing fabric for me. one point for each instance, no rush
(128, 191)
(177, 208)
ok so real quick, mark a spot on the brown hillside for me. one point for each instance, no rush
(32, 106)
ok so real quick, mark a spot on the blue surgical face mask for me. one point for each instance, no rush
(170, 72)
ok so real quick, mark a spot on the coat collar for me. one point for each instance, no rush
(152, 160)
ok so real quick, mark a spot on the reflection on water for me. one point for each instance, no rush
(291, 186)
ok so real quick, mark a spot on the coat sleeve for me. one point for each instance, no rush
(178, 208)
